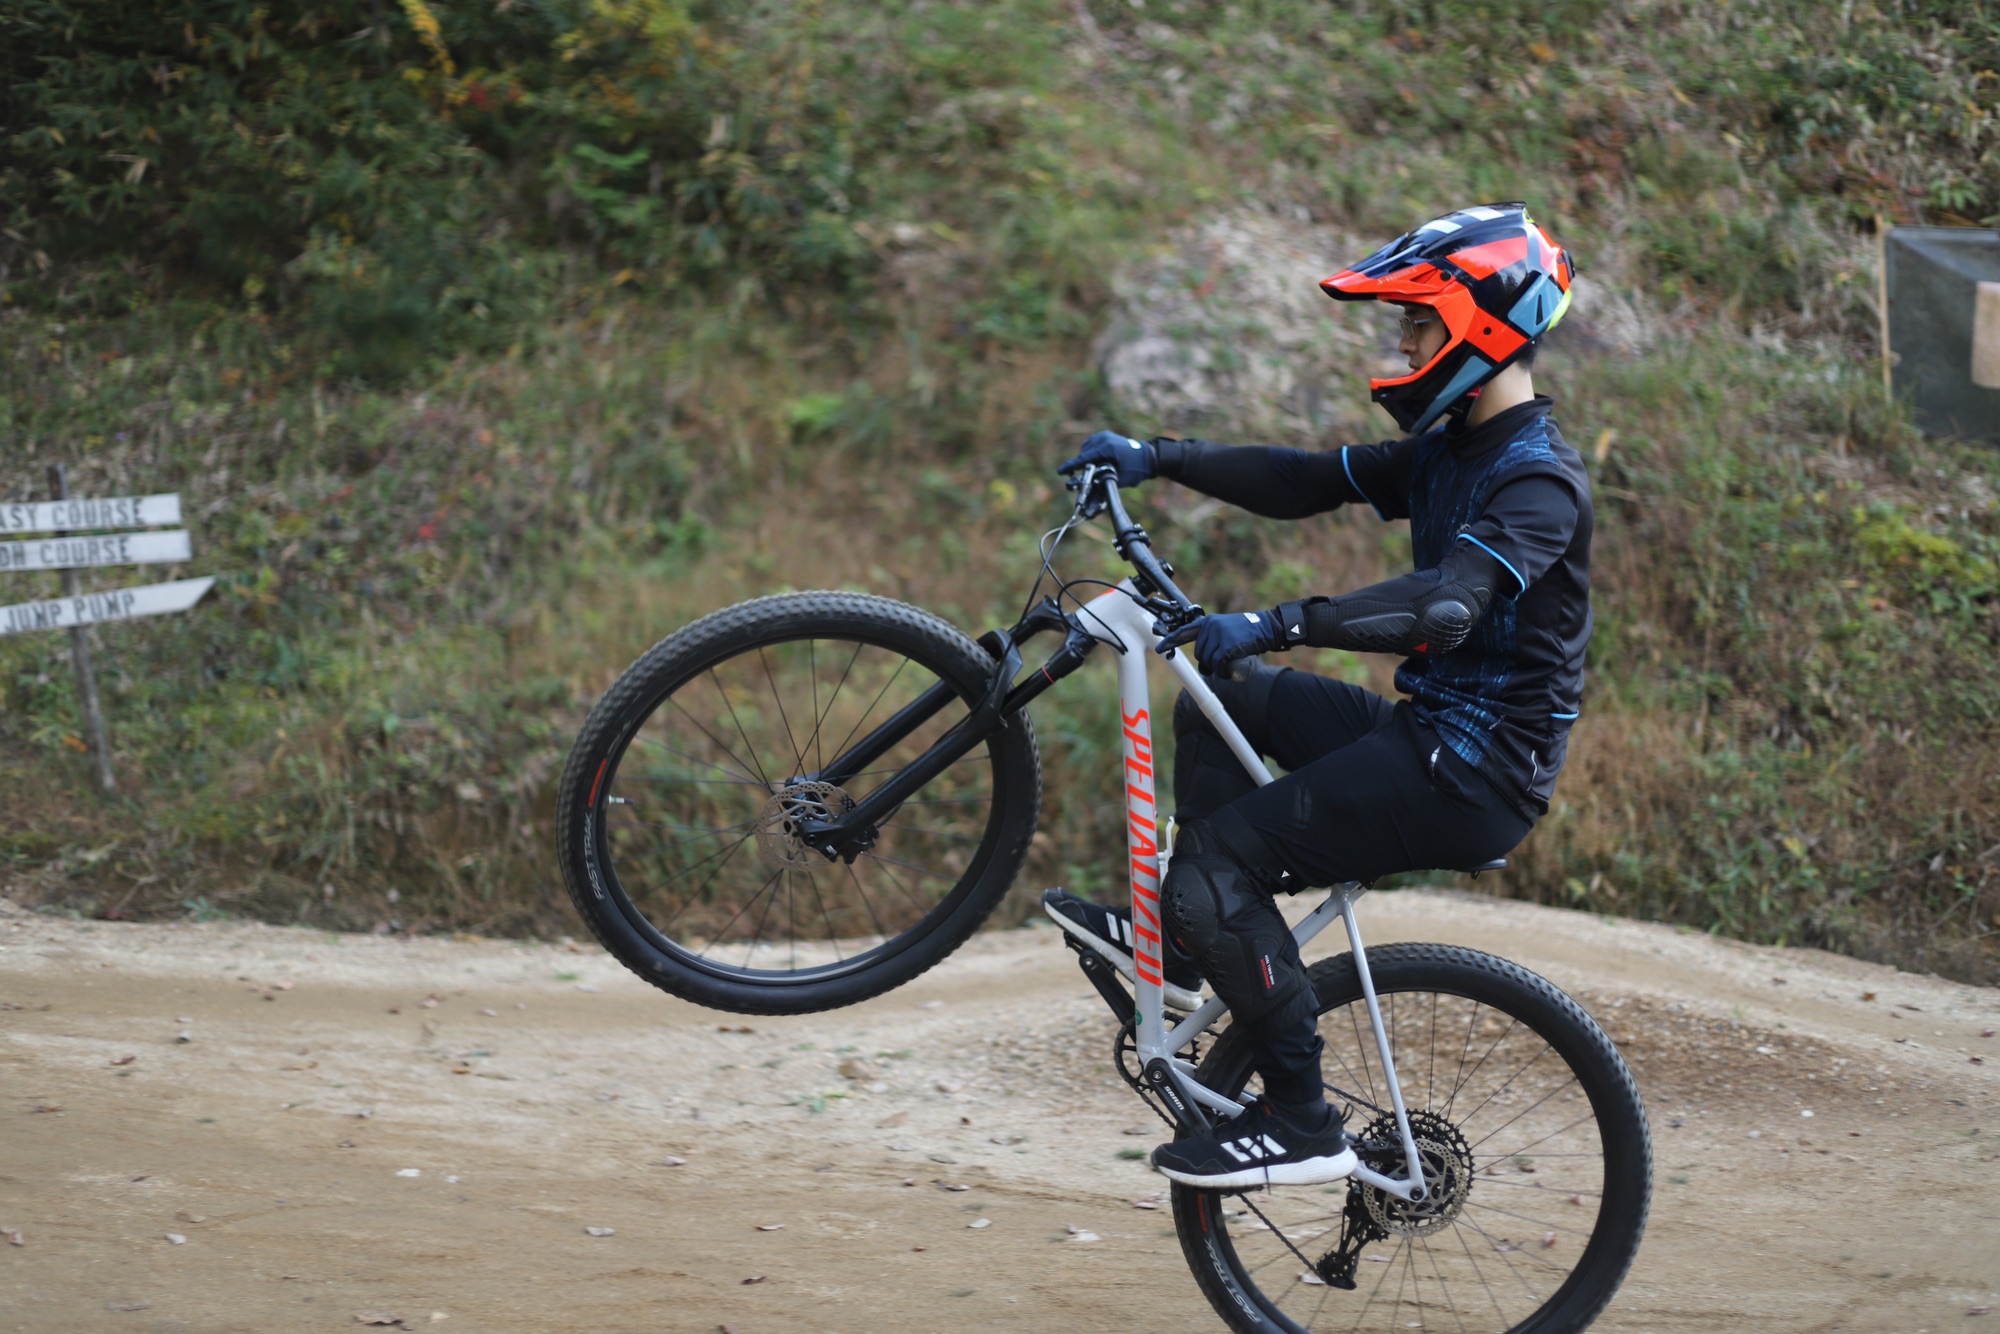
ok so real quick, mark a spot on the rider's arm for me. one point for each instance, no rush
(1281, 483)
(1526, 526)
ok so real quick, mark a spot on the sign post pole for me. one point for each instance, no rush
(79, 655)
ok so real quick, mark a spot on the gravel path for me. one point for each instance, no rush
(240, 1127)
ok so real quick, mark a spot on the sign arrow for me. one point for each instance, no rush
(117, 604)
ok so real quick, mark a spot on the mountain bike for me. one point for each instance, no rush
(802, 801)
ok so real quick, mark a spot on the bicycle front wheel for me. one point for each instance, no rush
(1536, 1158)
(677, 801)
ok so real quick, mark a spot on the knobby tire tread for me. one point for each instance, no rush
(1422, 966)
(1017, 781)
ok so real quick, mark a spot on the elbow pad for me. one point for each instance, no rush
(1428, 611)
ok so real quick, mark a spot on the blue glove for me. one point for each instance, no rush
(1136, 460)
(1223, 638)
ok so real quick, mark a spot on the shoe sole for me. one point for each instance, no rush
(1178, 997)
(1310, 1172)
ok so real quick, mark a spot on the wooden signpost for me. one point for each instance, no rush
(76, 610)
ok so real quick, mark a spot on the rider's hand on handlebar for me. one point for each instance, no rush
(1135, 460)
(1223, 638)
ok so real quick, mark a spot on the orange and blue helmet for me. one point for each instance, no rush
(1495, 278)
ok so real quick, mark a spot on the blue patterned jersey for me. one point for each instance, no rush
(1505, 698)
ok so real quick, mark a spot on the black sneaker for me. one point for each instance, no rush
(1109, 932)
(1261, 1147)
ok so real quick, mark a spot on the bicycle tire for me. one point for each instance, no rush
(1272, 1297)
(895, 633)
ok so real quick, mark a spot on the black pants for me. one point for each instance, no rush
(1370, 791)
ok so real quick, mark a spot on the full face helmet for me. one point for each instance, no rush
(1495, 278)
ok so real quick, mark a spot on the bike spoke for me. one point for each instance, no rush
(798, 756)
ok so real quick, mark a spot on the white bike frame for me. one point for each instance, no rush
(1116, 618)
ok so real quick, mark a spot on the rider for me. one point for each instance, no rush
(1492, 623)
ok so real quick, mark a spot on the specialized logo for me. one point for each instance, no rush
(1141, 836)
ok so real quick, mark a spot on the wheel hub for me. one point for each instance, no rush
(779, 822)
(1448, 1174)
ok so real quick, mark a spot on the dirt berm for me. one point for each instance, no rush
(240, 1127)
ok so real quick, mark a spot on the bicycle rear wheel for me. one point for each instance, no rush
(1536, 1151)
(673, 813)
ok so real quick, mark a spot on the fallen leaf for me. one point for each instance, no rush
(1576, 1199)
(754, 1278)
(177, 1239)
(770, 1227)
(1977, 1060)
(602, 1231)
(49, 1107)
(854, 1068)
(125, 1060)
(1868, 995)
(897, 1119)
(734, 1028)
(978, 1223)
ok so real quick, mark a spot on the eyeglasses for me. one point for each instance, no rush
(1408, 324)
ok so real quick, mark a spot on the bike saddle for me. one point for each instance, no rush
(1497, 864)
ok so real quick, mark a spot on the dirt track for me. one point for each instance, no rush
(539, 1091)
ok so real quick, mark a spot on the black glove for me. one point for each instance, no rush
(1135, 460)
(1222, 638)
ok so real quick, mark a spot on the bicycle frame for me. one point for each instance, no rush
(1116, 618)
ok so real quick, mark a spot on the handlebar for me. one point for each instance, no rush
(1098, 488)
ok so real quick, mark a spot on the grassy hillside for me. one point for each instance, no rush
(489, 343)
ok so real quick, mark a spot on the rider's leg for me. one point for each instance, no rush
(1314, 715)
(1218, 907)
(1395, 800)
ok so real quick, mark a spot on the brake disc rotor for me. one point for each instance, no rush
(1448, 1174)
(778, 822)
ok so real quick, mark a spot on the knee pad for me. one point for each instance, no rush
(1219, 912)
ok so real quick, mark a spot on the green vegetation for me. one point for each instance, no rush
(491, 342)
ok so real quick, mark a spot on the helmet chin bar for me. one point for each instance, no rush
(1443, 386)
